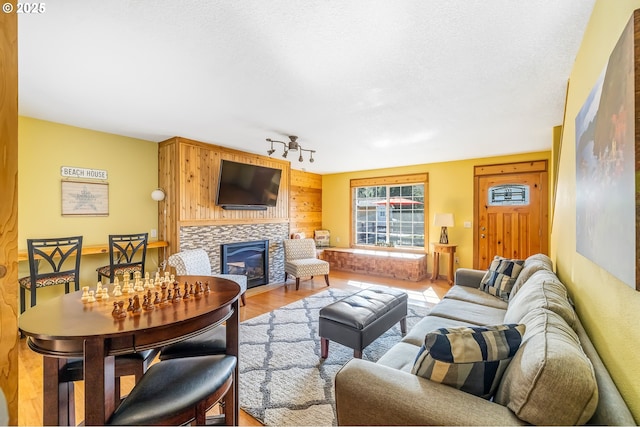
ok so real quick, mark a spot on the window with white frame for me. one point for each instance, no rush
(389, 211)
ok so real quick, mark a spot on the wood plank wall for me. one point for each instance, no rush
(188, 171)
(305, 202)
(9, 211)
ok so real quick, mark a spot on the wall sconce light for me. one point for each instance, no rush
(157, 195)
(443, 220)
(292, 145)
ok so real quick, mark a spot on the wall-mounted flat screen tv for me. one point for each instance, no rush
(245, 186)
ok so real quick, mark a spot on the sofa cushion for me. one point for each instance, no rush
(471, 359)
(549, 364)
(531, 265)
(501, 276)
(475, 295)
(427, 324)
(401, 356)
(540, 258)
(543, 290)
(464, 311)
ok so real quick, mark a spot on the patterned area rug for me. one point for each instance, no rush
(283, 380)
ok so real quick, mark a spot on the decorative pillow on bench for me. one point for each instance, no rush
(501, 276)
(471, 359)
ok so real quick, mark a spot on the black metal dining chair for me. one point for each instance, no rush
(127, 254)
(52, 261)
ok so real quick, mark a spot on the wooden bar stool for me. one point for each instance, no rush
(135, 364)
(209, 343)
(179, 391)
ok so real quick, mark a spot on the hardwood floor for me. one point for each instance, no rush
(259, 300)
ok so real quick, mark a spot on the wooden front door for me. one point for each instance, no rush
(511, 211)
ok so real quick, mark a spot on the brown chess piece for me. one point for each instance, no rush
(186, 292)
(157, 301)
(123, 312)
(149, 306)
(176, 295)
(130, 306)
(198, 292)
(169, 298)
(207, 289)
(115, 311)
(136, 305)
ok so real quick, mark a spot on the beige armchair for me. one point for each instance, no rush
(301, 260)
(196, 262)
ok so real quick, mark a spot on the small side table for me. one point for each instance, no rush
(443, 248)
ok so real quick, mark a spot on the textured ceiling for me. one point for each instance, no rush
(368, 84)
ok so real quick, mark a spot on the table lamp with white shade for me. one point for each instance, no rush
(443, 220)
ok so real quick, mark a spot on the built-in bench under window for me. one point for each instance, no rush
(398, 265)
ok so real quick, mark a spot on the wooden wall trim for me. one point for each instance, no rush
(9, 211)
(205, 222)
(390, 180)
(532, 166)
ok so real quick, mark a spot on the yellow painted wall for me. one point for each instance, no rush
(450, 190)
(609, 308)
(132, 167)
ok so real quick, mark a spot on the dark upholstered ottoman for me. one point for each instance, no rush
(357, 320)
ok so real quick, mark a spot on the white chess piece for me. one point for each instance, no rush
(91, 298)
(117, 291)
(85, 294)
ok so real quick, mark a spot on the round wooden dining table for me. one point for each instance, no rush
(65, 327)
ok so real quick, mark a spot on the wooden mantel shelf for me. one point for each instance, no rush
(98, 249)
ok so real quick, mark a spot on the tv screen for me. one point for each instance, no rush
(242, 184)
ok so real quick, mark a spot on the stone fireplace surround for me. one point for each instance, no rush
(210, 237)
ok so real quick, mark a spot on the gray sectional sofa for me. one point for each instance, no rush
(554, 378)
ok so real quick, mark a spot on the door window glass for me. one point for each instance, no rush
(508, 195)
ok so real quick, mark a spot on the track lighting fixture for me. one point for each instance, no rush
(292, 145)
